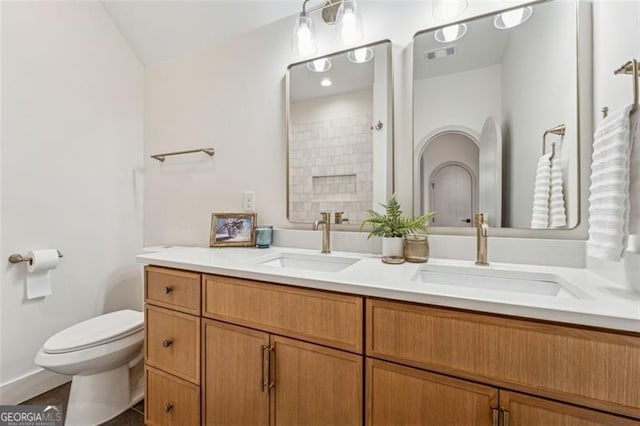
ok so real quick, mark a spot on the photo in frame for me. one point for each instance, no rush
(233, 230)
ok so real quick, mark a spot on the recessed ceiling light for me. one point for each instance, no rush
(450, 33)
(319, 65)
(360, 56)
(512, 18)
(326, 82)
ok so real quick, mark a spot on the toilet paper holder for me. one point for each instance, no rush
(17, 258)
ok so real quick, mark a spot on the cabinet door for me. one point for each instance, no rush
(315, 385)
(233, 376)
(399, 396)
(523, 410)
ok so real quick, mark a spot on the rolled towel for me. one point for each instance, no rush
(609, 199)
(541, 192)
(557, 211)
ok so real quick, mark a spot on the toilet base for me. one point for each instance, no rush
(96, 398)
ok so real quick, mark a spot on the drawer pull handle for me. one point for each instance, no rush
(496, 417)
(168, 290)
(505, 417)
(167, 407)
(167, 343)
(266, 384)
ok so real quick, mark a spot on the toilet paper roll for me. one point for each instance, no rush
(39, 272)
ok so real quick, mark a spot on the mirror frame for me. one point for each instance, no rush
(512, 231)
(390, 178)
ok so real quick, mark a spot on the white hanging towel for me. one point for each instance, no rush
(609, 199)
(634, 186)
(557, 212)
(541, 192)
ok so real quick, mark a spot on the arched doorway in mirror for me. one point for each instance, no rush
(449, 165)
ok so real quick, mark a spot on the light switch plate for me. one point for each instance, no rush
(249, 201)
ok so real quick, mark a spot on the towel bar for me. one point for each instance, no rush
(17, 258)
(161, 157)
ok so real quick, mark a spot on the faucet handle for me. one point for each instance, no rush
(339, 219)
(480, 219)
(326, 216)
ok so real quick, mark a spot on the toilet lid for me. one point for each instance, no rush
(95, 331)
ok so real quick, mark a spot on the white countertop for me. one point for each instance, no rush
(603, 303)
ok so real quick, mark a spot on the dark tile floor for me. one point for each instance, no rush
(134, 416)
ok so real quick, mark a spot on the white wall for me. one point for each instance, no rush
(462, 101)
(531, 105)
(72, 144)
(231, 97)
(616, 40)
(332, 107)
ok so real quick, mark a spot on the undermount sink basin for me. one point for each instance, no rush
(310, 262)
(524, 282)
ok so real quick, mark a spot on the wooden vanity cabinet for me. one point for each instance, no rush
(229, 351)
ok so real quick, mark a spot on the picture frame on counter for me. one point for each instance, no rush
(233, 230)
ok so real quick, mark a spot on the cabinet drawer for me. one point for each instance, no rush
(583, 366)
(172, 342)
(169, 400)
(173, 289)
(317, 316)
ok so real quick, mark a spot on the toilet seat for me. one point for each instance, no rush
(95, 332)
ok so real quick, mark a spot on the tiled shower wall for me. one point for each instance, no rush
(330, 162)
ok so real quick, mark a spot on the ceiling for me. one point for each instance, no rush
(160, 30)
(345, 76)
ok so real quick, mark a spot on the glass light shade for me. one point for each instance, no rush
(360, 56)
(304, 40)
(446, 10)
(450, 33)
(512, 18)
(326, 82)
(349, 22)
(319, 65)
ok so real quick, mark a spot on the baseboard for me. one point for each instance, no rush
(30, 385)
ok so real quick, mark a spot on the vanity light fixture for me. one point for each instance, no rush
(445, 10)
(450, 33)
(360, 56)
(304, 40)
(512, 18)
(344, 13)
(349, 22)
(319, 65)
(326, 82)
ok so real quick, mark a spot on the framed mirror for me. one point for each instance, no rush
(340, 134)
(495, 119)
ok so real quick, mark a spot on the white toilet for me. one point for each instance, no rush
(104, 355)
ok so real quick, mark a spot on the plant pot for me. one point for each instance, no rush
(393, 246)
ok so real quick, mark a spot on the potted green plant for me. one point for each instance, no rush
(393, 226)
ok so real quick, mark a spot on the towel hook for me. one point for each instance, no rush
(559, 130)
(632, 68)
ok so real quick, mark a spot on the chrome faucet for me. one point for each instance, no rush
(339, 219)
(326, 231)
(482, 233)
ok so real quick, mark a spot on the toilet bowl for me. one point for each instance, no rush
(104, 355)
